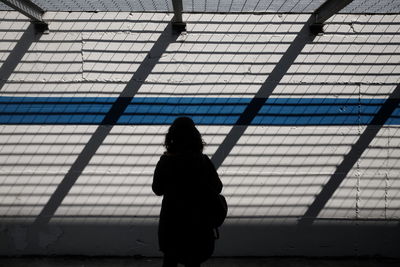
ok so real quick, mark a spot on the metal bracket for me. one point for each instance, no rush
(179, 27)
(324, 12)
(32, 11)
(177, 24)
(317, 28)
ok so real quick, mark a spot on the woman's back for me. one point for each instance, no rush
(185, 177)
(185, 180)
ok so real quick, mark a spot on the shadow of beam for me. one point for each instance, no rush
(14, 58)
(167, 37)
(303, 37)
(391, 103)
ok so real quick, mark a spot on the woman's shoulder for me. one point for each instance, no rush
(207, 159)
(183, 155)
(196, 158)
(166, 156)
(204, 156)
(164, 159)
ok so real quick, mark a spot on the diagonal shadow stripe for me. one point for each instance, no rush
(167, 37)
(391, 103)
(303, 37)
(28, 37)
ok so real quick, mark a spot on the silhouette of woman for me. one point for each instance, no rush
(183, 177)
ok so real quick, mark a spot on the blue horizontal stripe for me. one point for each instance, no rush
(206, 110)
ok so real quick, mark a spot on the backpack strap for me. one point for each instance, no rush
(216, 232)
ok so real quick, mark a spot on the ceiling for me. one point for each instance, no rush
(206, 6)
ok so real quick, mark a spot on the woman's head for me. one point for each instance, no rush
(183, 136)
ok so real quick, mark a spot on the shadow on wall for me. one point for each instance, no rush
(110, 119)
(29, 36)
(350, 159)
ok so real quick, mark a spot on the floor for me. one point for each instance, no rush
(215, 262)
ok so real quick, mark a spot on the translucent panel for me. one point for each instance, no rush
(207, 6)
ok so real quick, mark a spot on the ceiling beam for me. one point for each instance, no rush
(324, 12)
(31, 10)
(178, 24)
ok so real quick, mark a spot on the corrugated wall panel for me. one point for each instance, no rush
(65, 83)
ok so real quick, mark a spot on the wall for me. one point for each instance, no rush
(304, 131)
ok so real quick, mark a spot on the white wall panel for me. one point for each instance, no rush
(272, 175)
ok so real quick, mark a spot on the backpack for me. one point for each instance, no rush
(218, 212)
(214, 207)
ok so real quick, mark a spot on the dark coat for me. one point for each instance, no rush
(184, 181)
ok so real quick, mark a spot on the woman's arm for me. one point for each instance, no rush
(213, 176)
(158, 185)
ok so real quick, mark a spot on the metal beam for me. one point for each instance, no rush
(325, 11)
(178, 24)
(29, 9)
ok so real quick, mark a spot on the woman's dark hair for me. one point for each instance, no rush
(183, 136)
